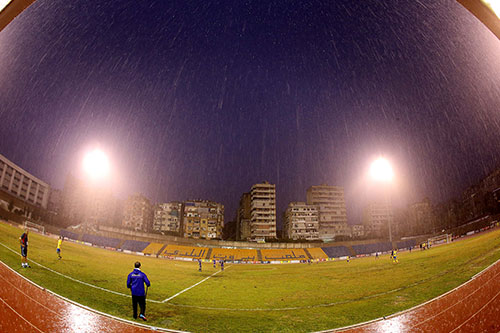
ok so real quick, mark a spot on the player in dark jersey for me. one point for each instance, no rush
(23, 240)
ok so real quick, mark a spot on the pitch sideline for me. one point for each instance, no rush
(108, 290)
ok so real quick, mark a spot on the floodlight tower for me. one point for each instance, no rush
(381, 172)
(96, 167)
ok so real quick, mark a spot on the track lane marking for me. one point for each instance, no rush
(19, 315)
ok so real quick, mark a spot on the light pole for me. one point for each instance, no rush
(96, 167)
(381, 172)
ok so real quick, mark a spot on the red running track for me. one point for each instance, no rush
(25, 307)
(472, 307)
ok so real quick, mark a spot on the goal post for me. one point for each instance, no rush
(440, 239)
(34, 226)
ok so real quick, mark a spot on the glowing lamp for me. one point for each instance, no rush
(381, 170)
(96, 164)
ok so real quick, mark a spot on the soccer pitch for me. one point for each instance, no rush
(251, 298)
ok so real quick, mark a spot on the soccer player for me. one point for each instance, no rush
(59, 242)
(395, 256)
(199, 265)
(215, 263)
(222, 265)
(135, 282)
(23, 240)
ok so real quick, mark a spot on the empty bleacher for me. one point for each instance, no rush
(153, 248)
(372, 248)
(233, 254)
(317, 253)
(134, 245)
(406, 244)
(101, 240)
(182, 251)
(283, 254)
(336, 251)
(68, 234)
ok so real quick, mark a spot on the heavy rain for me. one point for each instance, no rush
(202, 99)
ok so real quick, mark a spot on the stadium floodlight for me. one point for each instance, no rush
(96, 164)
(381, 170)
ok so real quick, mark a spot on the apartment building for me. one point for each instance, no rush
(167, 217)
(138, 213)
(83, 204)
(18, 182)
(263, 211)
(378, 217)
(203, 219)
(301, 221)
(420, 218)
(332, 213)
(243, 217)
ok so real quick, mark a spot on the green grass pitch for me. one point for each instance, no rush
(253, 298)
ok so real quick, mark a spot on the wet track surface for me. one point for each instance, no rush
(472, 307)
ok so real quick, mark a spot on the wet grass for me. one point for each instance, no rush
(252, 298)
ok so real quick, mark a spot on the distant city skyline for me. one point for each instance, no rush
(203, 100)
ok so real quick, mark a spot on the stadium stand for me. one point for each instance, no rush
(317, 253)
(153, 248)
(133, 245)
(336, 251)
(283, 254)
(101, 240)
(185, 251)
(68, 234)
(372, 248)
(406, 244)
(233, 254)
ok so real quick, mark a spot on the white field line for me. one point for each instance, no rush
(125, 321)
(76, 280)
(277, 309)
(194, 285)
(400, 313)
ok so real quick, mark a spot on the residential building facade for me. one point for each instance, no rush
(167, 217)
(203, 219)
(18, 182)
(263, 212)
(138, 213)
(378, 218)
(332, 212)
(301, 222)
(420, 218)
(243, 217)
(87, 205)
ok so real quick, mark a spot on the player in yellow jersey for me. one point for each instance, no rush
(395, 255)
(59, 242)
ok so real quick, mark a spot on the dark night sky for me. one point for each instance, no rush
(202, 99)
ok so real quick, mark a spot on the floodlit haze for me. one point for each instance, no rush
(202, 99)
(381, 170)
(96, 164)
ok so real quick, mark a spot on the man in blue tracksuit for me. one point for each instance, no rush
(135, 282)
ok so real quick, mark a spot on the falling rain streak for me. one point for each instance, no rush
(202, 99)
